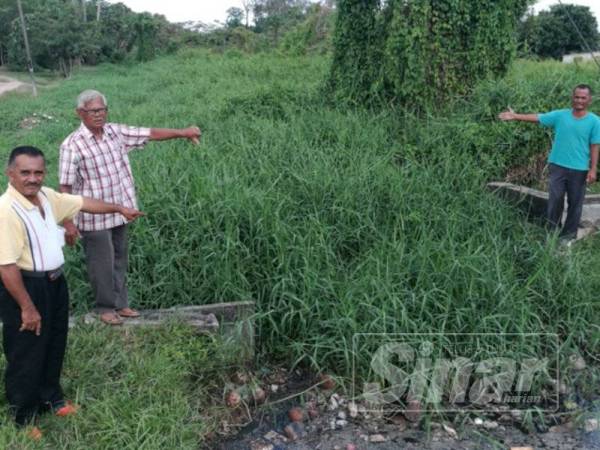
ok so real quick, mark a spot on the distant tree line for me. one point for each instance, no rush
(66, 33)
(291, 26)
(562, 29)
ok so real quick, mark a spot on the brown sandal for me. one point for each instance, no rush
(111, 318)
(128, 312)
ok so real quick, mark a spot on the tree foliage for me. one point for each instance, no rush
(63, 33)
(562, 29)
(235, 17)
(419, 51)
(274, 16)
(313, 34)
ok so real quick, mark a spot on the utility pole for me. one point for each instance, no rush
(98, 9)
(29, 61)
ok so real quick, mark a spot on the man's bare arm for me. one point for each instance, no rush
(162, 134)
(94, 206)
(509, 114)
(13, 282)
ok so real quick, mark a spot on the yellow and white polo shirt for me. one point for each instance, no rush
(28, 239)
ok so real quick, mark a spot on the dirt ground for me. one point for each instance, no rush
(8, 84)
(329, 421)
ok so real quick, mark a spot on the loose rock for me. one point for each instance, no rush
(451, 431)
(334, 402)
(591, 425)
(294, 431)
(233, 399)
(352, 409)
(375, 438)
(399, 421)
(273, 436)
(326, 381)
(577, 362)
(313, 413)
(413, 411)
(259, 395)
(296, 414)
(259, 445)
(490, 424)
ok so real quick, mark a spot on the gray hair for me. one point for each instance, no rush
(89, 95)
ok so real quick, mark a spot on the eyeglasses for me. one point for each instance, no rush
(95, 111)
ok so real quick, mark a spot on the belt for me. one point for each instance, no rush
(50, 274)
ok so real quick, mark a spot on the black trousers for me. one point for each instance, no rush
(34, 363)
(572, 182)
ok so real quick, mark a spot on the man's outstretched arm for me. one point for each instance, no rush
(94, 206)
(509, 114)
(163, 134)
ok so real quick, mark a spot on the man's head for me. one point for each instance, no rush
(92, 108)
(582, 97)
(26, 170)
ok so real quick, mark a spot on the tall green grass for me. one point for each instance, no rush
(334, 221)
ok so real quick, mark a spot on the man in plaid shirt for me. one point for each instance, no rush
(94, 163)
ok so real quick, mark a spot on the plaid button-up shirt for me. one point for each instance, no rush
(99, 168)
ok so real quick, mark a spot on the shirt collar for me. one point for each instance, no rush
(20, 197)
(106, 131)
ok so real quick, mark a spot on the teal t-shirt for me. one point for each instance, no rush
(572, 137)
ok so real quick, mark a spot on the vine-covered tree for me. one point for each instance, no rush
(418, 51)
(562, 29)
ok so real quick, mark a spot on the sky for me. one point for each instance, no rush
(206, 11)
(209, 11)
(593, 4)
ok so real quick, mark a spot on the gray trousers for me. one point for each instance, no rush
(572, 182)
(106, 260)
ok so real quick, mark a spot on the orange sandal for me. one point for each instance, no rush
(34, 433)
(67, 410)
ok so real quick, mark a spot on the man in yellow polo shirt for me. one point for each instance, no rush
(34, 299)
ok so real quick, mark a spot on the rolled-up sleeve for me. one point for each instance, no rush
(133, 137)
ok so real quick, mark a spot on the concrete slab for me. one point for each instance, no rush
(534, 202)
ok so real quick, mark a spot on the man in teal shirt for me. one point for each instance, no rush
(573, 159)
